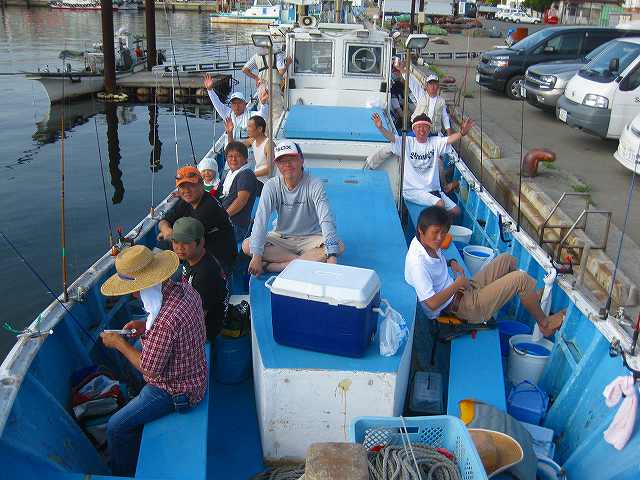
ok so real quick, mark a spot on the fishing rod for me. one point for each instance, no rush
(481, 144)
(522, 100)
(62, 223)
(184, 111)
(104, 188)
(49, 291)
(632, 184)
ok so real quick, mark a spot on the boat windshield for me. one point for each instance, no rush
(532, 40)
(599, 69)
(313, 57)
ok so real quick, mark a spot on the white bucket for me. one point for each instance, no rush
(460, 234)
(527, 363)
(476, 257)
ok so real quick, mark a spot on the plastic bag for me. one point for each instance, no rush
(393, 330)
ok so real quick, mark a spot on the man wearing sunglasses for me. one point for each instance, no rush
(305, 227)
(219, 239)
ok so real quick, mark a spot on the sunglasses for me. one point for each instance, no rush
(187, 175)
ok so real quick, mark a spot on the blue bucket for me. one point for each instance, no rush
(233, 359)
(527, 402)
(507, 329)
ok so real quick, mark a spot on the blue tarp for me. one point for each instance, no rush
(316, 122)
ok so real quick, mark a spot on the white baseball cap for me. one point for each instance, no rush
(432, 78)
(237, 96)
(286, 147)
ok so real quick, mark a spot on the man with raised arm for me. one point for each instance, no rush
(305, 227)
(421, 183)
(237, 110)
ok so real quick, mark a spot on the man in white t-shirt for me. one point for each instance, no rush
(260, 63)
(477, 299)
(421, 183)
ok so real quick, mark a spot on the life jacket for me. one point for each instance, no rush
(263, 69)
(423, 107)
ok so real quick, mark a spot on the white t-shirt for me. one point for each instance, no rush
(427, 275)
(421, 162)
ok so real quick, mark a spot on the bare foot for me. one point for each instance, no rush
(553, 323)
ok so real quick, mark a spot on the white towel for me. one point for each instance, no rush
(621, 428)
(231, 175)
(152, 300)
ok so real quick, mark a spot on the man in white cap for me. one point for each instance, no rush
(305, 227)
(237, 110)
(172, 359)
(431, 104)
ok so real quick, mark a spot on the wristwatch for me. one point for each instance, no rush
(329, 255)
(449, 262)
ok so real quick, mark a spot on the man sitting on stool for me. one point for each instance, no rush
(476, 299)
(306, 228)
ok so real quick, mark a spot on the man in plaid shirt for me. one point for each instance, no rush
(172, 360)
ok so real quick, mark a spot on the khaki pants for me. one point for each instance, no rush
(492, 287)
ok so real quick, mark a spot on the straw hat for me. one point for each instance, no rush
(497, 450)
(138, 268)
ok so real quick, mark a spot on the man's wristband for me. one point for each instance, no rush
(329, 255)
(449, 262)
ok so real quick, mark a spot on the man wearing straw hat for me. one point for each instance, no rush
(172, 359)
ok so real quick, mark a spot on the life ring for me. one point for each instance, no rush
(112, 97)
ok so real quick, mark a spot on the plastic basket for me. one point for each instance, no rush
(441, 431)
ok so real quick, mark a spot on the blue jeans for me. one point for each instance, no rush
(124, 429)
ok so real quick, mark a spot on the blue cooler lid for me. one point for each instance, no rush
(326, 282)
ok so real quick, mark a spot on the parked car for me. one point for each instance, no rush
(605, 93)
(503, 13)
(522, 17)
(503, 69)
(627, 152)
(544, 83)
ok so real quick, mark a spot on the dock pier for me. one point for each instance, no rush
(142, 86)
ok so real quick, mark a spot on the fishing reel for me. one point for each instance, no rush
(629, 358)
(122, 243)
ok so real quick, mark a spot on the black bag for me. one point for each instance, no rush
(238, 321)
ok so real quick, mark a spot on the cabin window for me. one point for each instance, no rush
(364, 60)
(313, 57)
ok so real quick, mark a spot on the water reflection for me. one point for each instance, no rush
(154, 140)
(113, 147)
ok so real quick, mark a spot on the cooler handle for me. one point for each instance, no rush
(270, 281)
(383, 308)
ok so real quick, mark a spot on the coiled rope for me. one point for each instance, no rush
(289, 472)
(397, 463)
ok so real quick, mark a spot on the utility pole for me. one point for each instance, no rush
(108, 48)
(412, 26)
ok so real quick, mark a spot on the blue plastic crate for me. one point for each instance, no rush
(442, 431)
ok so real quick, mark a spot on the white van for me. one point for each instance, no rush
(604, 95)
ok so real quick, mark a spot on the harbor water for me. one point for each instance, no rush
(30, 132)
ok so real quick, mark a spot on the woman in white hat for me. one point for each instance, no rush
(172, 359)
(209, 169)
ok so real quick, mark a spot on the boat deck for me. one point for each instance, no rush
(317, 122)
(376, 243)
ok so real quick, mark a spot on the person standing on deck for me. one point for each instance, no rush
(262, 151)
(239, 186)
(475, 299)
(194, 202)
(172, 360)
(202, 271)
(260, 63)
(237, 111)
(421, 182)
(305, 227)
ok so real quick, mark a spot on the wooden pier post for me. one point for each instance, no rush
(108, 47)
(150, 20)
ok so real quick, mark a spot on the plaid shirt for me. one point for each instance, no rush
(173, 348)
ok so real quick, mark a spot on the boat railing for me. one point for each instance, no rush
(16, 364)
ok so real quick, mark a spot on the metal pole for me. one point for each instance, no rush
(108, 48)
(270, 66)
(412, 25)
(150, 21)
(405, 126)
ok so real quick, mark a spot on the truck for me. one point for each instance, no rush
(431, 8)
